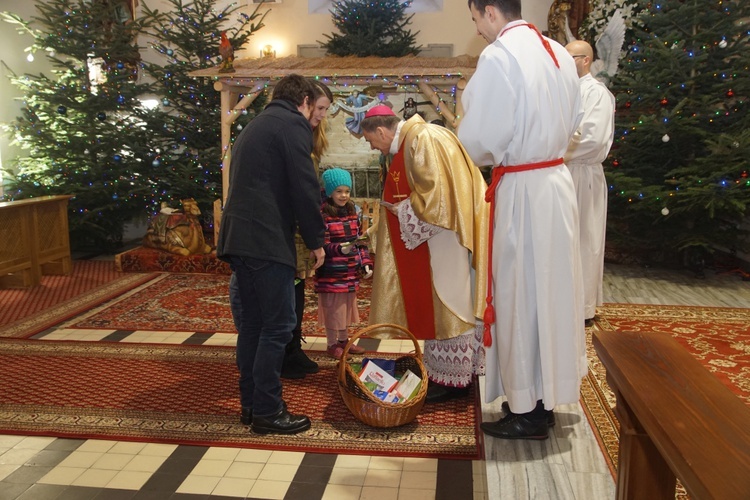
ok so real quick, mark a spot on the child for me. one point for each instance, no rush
(337, 280)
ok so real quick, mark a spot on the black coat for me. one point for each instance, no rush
(272, 187)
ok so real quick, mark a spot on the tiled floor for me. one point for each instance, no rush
(567, 466)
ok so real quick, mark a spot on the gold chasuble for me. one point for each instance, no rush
(446, 190)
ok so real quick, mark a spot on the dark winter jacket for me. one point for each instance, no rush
(340, 272)
(272, 187)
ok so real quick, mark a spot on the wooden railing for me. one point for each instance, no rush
(676, 420)
(34, 240)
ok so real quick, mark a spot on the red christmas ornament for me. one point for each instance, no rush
(627, 105)
(730, 93)
(615, 163)
(744, 174)
(664, 102)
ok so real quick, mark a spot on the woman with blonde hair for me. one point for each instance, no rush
(296, 363)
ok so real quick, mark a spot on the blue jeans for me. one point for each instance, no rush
(266, 297)
(235, 305)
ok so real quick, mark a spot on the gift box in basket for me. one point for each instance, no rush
(383, 405)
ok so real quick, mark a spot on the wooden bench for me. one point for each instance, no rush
(676, 420)
(34, 240)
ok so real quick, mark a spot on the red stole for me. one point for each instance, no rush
(413, 266)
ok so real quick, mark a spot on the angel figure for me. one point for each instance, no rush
(608, 47)
(356, 100)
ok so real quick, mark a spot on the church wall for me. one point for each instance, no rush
(287, 25)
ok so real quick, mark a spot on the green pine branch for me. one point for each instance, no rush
(678, 170)
(371, 28)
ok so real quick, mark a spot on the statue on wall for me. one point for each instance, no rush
(558, 25)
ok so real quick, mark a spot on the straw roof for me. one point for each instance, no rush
(347, 67)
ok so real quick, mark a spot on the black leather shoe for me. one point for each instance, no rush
(516, 426)
(437, 393)
(281, 423)
(550, 415)
(247, 416)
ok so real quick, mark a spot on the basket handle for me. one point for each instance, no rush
(368, 329)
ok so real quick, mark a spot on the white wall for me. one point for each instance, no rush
(451, 25)
(287, 25)
(13, 60)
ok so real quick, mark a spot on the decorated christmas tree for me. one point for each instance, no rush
(371, 28)
(678, 170)
(82, 128)
(188, 123)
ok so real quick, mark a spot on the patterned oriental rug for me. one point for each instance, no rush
(196, 303)
(718, 337)
(187, 395)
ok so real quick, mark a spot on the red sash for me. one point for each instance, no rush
(413, 265)
(544, 41)
(497, 174)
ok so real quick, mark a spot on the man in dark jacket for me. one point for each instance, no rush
(272, 188)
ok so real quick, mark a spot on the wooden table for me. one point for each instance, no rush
(676, 420)
(34, 240)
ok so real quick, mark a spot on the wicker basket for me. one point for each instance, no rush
(362, 402)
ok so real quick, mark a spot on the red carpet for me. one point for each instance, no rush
(195, 303)
(18, 303)
(44, 306)
(188, 395)
(718, 337)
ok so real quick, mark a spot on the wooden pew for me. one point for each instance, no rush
(34, 240)
(676, 419)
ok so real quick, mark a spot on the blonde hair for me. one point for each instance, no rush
(320, 140)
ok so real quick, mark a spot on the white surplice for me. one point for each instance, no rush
(587, 150)
(454, 361)
(520, 108)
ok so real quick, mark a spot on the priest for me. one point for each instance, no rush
(430, 257)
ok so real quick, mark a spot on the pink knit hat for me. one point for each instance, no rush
(379, 110)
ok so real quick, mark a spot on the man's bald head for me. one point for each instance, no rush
(583, 55)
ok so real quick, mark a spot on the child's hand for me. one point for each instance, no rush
(368, 272)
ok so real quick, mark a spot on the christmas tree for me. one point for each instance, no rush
(371, 28)
(83, 127)
(678, 171)
(188, 124)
